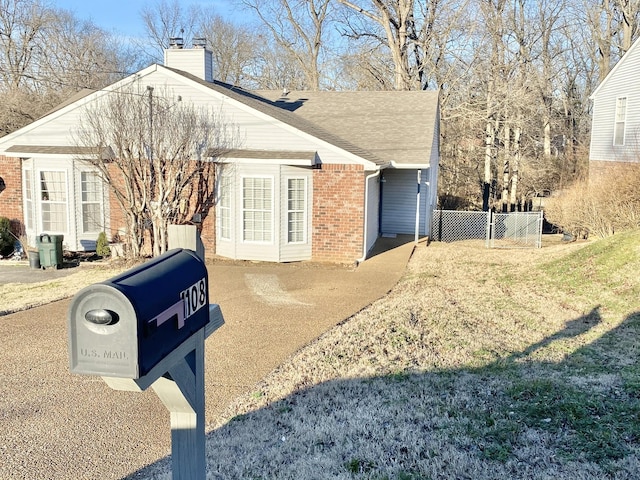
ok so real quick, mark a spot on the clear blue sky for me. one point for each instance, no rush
(123, 16)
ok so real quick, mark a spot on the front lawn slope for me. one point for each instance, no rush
(480, 364)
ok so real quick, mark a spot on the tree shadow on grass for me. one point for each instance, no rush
(512, 419)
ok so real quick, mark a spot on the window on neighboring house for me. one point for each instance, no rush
(91, 186)
(621, 116)
(53, 198)
(28, 200)
(296, 209)
(224, 207)
(257, 209)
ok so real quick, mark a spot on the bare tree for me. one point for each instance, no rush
(300, 28)
(46, 54)
(166, 19)
(396, 20)
(159, 149)
(234, 48)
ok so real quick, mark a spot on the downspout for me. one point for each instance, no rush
(418, 207)
(366, 216)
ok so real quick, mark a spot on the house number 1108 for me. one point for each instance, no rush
(194, 297)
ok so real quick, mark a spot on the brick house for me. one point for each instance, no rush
(326, 173)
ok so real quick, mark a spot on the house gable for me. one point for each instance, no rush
(615, 127)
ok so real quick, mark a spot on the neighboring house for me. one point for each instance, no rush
(326, 173)
(615, 124)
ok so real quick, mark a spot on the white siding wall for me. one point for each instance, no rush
(623, 82)
(399, 201)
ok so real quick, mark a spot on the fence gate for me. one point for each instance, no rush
(499, 230)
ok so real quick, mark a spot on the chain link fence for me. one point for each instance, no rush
(499, 230)
(517, 229)
(454, 225)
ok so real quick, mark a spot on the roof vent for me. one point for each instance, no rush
(176, 42)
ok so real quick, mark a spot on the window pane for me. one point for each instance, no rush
(257, 212)
(91, 195)
(53, 196)
(91, 220)
(91, 187)
(53, 186)
(621, 114)
(54, 217)
(296, 210)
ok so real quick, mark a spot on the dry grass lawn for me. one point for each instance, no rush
(21, 296)
(480, 364)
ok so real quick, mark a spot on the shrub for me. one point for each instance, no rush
(607, 203)
(102, 245)
(7, 240)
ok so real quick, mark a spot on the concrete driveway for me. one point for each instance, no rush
(55, 425)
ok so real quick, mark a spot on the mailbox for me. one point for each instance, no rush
(124, 326)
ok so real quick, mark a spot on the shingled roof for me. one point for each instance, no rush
(393, 125)
(264, 105)
(378, 126)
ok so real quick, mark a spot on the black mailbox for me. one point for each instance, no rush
(124, 326)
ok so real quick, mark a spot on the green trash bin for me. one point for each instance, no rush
(50, 250)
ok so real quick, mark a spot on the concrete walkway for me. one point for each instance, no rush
(58, 425)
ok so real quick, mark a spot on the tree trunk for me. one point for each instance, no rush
(516, 165)
(505, 167)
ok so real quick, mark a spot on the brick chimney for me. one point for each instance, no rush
(196, 60)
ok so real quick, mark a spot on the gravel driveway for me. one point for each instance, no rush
(60, 426)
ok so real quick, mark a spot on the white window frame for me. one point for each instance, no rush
(99, 202)
(273, 210)
(304, 211)
(41, 202)
(620, 121)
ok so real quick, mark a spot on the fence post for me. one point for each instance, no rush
(489, 228)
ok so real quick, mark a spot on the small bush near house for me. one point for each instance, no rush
(102, 245)
(6, 239)
(605, 204)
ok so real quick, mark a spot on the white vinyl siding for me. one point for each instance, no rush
(91, 195)
(53, 201)
(621, 120)
(296, 210)
(399, 199)
(615, 137)
(257, 209)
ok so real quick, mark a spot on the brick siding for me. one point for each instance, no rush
(11, 197)
(338, 213)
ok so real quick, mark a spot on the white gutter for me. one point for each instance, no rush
(366, 216)
(409, 166)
